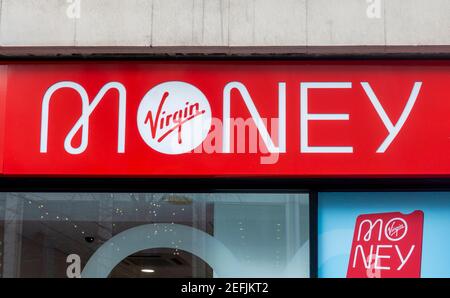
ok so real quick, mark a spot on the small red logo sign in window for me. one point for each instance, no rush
(387, 245)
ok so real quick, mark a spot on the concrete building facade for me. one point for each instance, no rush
(150, 184)
(224, 27)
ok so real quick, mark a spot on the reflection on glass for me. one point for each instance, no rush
(154, 235)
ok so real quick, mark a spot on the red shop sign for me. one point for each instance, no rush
(387, 245)
(225, 118)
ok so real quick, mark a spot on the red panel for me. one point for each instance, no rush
(387, 245)
(421, 147)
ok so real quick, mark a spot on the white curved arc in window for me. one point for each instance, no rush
(83, 121)
(194, 241)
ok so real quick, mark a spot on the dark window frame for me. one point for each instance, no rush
(228, 185)
(147, 185)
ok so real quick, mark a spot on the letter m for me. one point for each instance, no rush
(83, 121)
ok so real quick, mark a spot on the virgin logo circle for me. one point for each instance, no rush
(174, 117)
(396, 229)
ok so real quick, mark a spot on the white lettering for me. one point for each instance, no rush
(83, 121)
(378, 257)
(305, 117)
(226, 148)
(368, 234)
(392, 129)
(74, 9)
(367, 260)
(403, 260)
(74, 269)
(373, 9)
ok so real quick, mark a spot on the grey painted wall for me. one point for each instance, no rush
(255, 26)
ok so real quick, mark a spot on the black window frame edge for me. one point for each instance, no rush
(228, 185)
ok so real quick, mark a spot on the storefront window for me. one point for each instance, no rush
(421, 242)
(154, 235)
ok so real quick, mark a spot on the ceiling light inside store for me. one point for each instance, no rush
(147, 270)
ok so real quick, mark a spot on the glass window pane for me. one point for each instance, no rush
(337, 222)
(154, 234)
